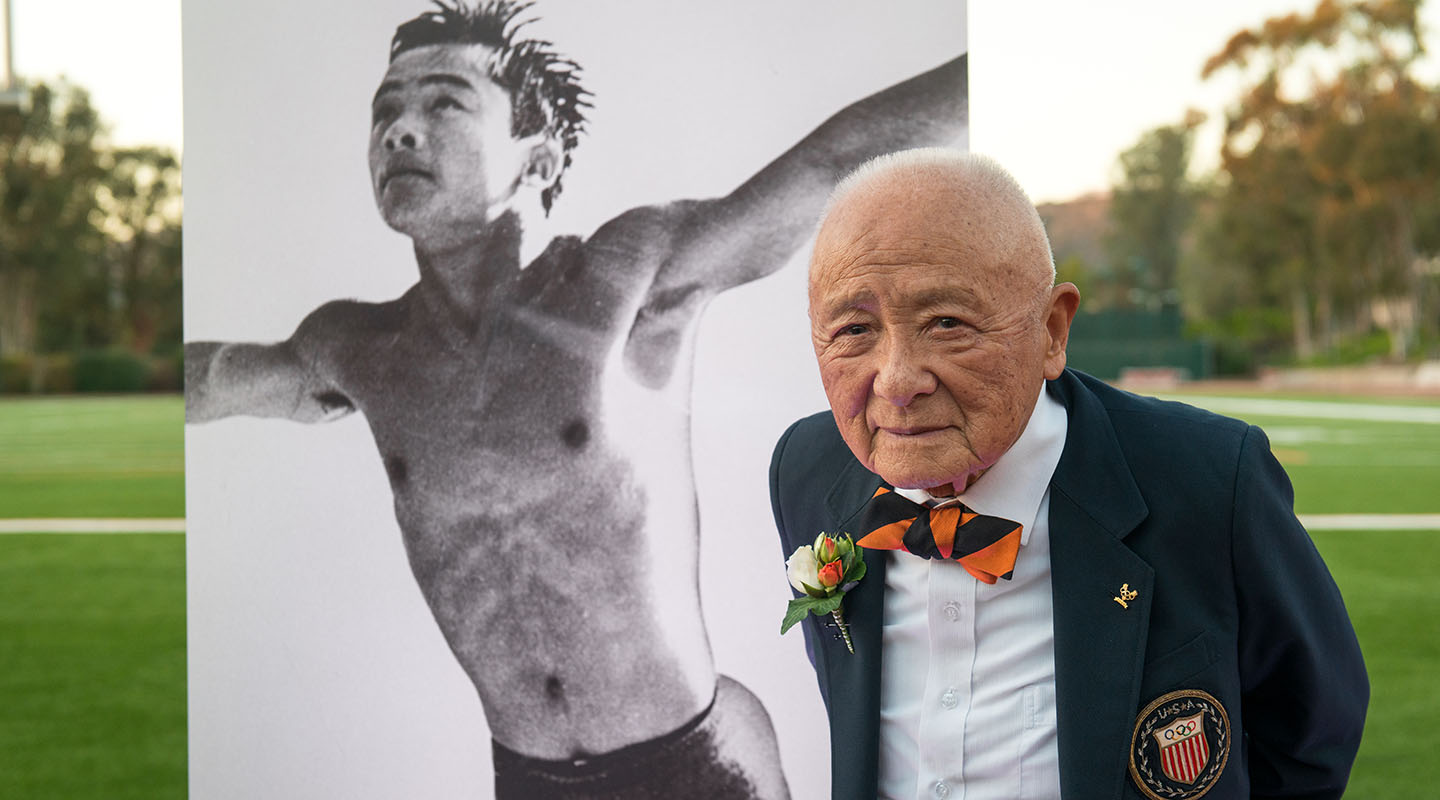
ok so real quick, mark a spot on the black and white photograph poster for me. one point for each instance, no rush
(494, 312)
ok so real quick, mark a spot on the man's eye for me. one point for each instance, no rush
(445, 104)
(853, 330)
(948, 323)
(381, 115)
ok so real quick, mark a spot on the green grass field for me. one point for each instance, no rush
(1355, 464)
(92, 666)
(92, 457)
(1389, 588)
(92, 627)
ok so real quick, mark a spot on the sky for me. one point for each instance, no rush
(1058, 88)
(125, 52)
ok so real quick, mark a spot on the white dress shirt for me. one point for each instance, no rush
(967, 694)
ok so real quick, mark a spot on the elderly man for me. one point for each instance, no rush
(1115, 598)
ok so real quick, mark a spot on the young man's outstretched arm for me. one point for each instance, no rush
(283, 380)
(756, 229)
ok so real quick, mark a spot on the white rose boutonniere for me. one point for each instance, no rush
(823, 572)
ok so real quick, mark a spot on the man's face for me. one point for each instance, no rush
(442, 161)
(932, 346)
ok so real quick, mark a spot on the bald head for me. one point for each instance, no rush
(942, 194)
(934, 315)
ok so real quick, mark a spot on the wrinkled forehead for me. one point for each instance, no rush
(888, 235)
(470, 63)
(921, 237)
(919, 209)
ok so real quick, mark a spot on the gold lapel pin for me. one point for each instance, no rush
(1126, 595)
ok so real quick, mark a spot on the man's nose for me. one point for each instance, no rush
(402, 133)
(901, 376)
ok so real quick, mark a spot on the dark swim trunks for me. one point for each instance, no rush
(686, 762)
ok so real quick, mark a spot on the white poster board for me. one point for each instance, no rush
(315, 667)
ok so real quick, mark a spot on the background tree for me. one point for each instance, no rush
(1330, 173)
(139, 198)
(1152, 203)
(89, 252)
(49, 171)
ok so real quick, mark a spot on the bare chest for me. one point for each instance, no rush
(522, 408)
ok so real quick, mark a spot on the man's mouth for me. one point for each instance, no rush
(911, 430)
(404, 172)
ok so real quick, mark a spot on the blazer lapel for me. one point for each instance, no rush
(854, 679)
(1099, 640)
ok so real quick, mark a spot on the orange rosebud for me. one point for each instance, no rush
(825, 548)
(831, 573)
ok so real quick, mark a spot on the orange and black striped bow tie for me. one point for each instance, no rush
(985, 546)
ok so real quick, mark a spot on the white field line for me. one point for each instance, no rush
(1370, 522)
(1314, 522)
(1372, 412)
(172, 525)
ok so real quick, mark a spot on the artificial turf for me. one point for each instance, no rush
(92, 666)
(1387, 578)
(92, 457)
(92, 627)
(1355, 464)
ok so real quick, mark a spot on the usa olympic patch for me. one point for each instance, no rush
(1180, 746)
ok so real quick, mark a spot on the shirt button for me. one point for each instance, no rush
(942, 789)
(950, 699)
(952, 611)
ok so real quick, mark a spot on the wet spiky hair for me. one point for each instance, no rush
(544, 87)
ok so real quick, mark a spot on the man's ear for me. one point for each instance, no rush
(1064, 300)
(543, 160)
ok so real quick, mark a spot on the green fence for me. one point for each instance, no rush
(1104, 343)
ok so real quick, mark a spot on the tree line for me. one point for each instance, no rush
(1317, 238)
(89, 251)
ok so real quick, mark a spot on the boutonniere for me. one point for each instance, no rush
(823, 572)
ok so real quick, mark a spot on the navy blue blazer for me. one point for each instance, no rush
(1189, 509)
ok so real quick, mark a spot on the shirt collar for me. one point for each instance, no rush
(1015, 485)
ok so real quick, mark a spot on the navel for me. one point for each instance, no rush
(575, 434)
(554, 690)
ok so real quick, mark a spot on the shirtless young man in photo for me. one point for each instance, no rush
(516, 406)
